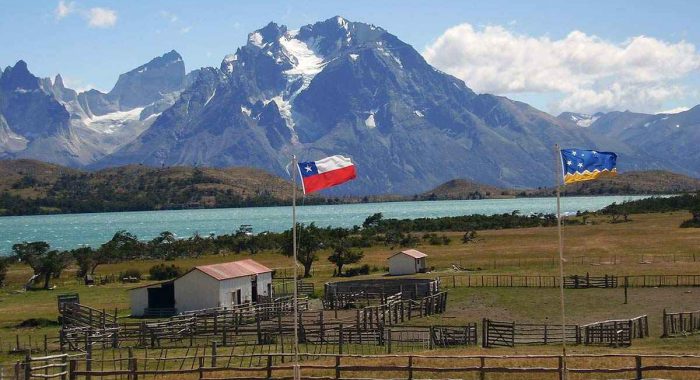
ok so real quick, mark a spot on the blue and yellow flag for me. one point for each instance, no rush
(585, 165)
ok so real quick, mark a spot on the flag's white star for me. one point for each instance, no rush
(594, 153)
(580, 164)
(568, 162)
(573, 152)
(581, 155)
(308, 168)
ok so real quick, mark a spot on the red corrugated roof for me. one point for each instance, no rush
(416, 254)
(225, 271)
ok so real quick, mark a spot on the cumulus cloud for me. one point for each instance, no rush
(64, 9)
(96, 17)
(101, 17)
(172, 17)
(589, 74)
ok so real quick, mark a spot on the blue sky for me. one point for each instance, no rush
(91, 42)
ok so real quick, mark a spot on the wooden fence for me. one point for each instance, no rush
(681, 323)
(572, 281)
(616, 332)
(334, 366)
(613, 332)
(510, 334)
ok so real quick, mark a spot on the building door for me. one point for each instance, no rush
(254, 289)
(236, 297)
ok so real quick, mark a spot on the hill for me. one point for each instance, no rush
(465, 189)
(635, 182)
(34, 187)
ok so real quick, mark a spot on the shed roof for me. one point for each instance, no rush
(225, 271)
(416, 254)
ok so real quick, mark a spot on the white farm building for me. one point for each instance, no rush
(410, 261)
(206, 286)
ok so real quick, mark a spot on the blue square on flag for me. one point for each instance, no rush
(308, 168)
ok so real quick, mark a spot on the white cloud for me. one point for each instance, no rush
(64, 9)
(185, 30)
(675, 110)
(588, 73)
(172, 17)
(78, 85)
(96, 17)
(101, 17)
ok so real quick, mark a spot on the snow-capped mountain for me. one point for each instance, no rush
(43, 119)
(352, 88)
(333, 87)
(581, 119)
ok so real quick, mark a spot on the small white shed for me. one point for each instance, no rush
(204, 287)
(410, 261)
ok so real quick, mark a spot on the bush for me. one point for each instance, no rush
(131, 273)
(351, 272)
(162, 272)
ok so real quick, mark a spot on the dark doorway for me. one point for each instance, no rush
(254, 289)
(162, 297)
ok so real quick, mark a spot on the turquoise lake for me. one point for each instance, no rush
(68, 231)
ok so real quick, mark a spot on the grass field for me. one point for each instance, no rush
(648, 244)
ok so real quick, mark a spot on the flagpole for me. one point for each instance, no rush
(294, 250)
(558, 176)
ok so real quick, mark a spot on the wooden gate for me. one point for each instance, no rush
(498, 334)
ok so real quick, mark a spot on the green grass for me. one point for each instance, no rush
(592, 248)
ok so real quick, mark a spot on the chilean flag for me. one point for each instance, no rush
(326, 172)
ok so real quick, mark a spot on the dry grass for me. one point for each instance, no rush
(653, 237)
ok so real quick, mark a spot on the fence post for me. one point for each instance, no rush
(201, 367)
(388, 342)
(27, 366)
(665, 324)
(340, 339)
(18, 368)
(213, 354)
(337, 366)
(638, 367)
(72, 365)
(482, 364)
(269, 366)
(560, 366)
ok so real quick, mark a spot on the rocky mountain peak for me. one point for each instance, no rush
(18, 77)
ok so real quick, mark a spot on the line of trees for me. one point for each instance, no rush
(344, 245)
(685, 202)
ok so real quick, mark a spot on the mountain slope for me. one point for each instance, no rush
(346, 87)
(29, 187)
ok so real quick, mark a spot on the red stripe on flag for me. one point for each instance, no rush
(324, 180)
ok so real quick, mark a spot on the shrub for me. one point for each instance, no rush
(131, 273)
(351, 272)
(162, 272)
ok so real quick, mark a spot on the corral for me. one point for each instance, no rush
(344, 294)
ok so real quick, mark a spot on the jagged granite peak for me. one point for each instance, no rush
(27, 109)
(18, 77)
(344, 87)
(147, 83)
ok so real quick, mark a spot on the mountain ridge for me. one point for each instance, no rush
(35, 187)
(331, 87)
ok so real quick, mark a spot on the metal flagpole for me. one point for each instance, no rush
(297, 374)
(558, 175)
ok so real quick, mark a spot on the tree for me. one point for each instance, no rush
(87, 260)
(46, 264)
(343, 254)
(122, 246)
(309, 242)
(4, 266)
(373, 220)
(163, 245)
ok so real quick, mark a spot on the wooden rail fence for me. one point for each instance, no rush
(572, 281)
(280, 366)
(681, 323)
